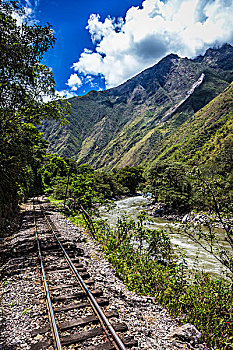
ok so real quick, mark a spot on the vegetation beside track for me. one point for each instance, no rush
(156, 271)
(191, 295)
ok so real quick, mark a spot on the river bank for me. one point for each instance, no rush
(157, 210)
(144, 260)
(195, 255)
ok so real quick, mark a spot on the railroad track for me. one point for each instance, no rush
(79, 317)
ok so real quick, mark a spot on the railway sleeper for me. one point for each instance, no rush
(28, 264)
(57, 253)
(15, 271)
(22, 259)
(65, 286)
(79, 322)
(56, 247)
(78, 251)
(81, 294)
(73, 306)
(129, 342)
(84, 275)
(66, 244)
(18, 251)
(92, 333)
(24, 241)
(22, 265)
(49, 261)
(55, 267)
(42, 345)
(64, 241)
(9, 267)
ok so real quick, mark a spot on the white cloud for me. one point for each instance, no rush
(124, 47)
(99, 29)
(65, 94)
(58, 94)
(74, 82)
(29, 13)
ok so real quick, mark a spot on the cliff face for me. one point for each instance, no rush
(126, 124)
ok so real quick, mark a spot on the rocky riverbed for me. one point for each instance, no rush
(23, 308)
(157, 210)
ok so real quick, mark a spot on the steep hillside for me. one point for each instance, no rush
(126, 124)
(207, 136)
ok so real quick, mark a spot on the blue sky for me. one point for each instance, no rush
(102, 43)
(69, 20)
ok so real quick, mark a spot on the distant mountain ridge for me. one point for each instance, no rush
(126, 124)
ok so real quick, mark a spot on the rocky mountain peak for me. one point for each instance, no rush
(149, 79)
(171, 56)
(218, 57)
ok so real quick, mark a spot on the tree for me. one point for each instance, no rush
(209, 196)
(130, 177)
(24, 84)
(169, 183)
(54, 166)
(107, 185)
(83, 192)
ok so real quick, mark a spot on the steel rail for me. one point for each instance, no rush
(98, 311)
(49, 302)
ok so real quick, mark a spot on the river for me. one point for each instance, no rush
(195, 255)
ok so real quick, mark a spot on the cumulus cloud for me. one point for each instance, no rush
(124, 47)
(74, 82)
(99, 30)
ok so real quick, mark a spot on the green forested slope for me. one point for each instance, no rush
(126, 125)
(206, 137)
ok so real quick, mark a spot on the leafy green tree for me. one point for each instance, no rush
(85, 169)
(130, 177)
(54, 167)
(24, 84)
(169, 183)
(107, 184)
(83, 192)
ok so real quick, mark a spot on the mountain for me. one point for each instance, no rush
(206, 137)
(129, 124)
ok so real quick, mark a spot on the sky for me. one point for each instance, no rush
(102, 43)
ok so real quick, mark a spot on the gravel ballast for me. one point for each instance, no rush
(23, 308)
